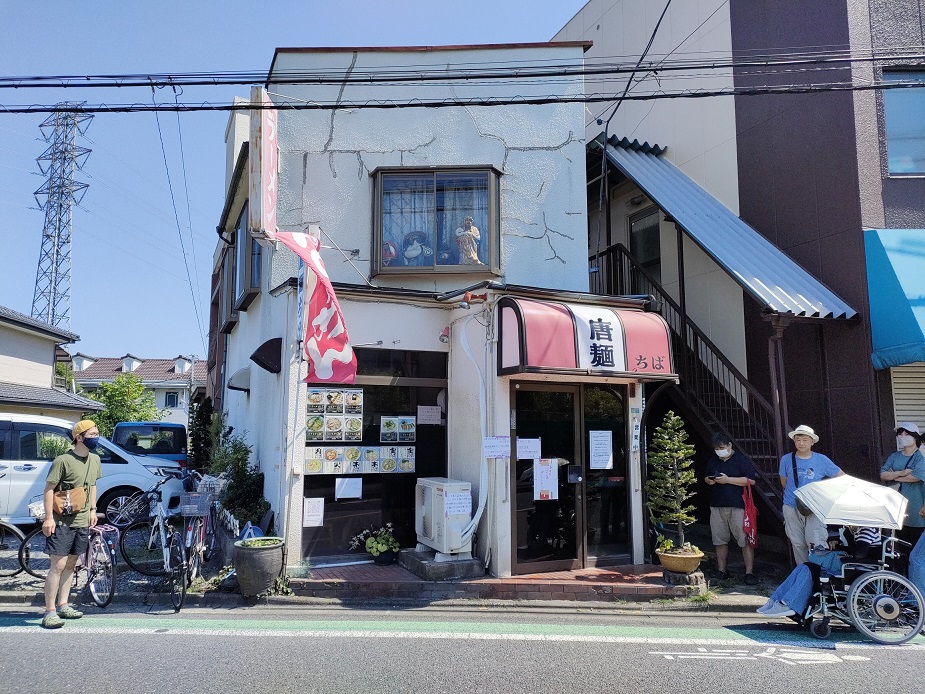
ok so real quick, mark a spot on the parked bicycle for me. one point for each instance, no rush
(152, 546)
(11, 539)
(200, 514)
(98, 562)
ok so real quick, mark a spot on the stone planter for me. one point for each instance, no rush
(385, 558)
(682, 563)
(257, 567)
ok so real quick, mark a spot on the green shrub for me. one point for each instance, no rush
(243, 496)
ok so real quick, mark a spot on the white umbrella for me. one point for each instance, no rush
(847, 500)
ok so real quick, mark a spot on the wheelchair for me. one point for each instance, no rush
(881, 604)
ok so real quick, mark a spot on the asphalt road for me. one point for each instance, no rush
(458, 650)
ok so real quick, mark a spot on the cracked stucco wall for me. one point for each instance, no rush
(326, 158)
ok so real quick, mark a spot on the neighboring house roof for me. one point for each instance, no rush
(18, 394)
(21, 320)
(765, 272)
(149, 370)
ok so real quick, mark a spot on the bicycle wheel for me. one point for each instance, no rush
(101, 576)
(176, 570)
(141, 548)
(211, 522)
(885, 607)
(10, 542)
(194, 548)
(32, 554)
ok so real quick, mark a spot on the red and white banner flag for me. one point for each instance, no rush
(327, 346)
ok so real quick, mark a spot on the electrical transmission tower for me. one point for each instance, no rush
(51, 302)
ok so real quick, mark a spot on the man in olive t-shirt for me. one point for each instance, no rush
(69, 535)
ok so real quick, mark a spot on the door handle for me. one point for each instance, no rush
(28, 467)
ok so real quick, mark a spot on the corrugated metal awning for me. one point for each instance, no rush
(765, 272)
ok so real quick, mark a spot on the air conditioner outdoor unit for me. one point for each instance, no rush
(443, 507)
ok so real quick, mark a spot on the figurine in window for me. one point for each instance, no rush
(467, 239)
(415, 249)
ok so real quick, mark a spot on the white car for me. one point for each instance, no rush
(29, 444)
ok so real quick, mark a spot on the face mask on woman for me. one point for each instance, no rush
(723, 453)
(904, 440)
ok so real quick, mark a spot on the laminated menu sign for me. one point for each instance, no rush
(313, 512)
(353, 402)
(334, 402)
(314, 428)
(315, 401)
(333, 428)
(353, 428)
(406, 428)
(353, 459)
(545, 479)
(314, 460)
(333, 460)
(406, 458)
(388, 429)
(388, 458)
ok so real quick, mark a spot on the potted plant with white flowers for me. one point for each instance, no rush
(379, 542)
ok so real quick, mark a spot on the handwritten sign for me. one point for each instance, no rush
(528, 449)
(545, 479)
(496, 447)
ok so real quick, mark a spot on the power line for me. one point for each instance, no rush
(300, 105)
(173, 200)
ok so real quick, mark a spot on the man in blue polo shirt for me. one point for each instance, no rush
(728, 471)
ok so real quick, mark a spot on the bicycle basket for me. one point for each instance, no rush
(195, 504)
(212, 485)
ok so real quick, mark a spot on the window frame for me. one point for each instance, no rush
(176, 395)
(227, 311)
(491, 237)
(247, 281)
(895, 73)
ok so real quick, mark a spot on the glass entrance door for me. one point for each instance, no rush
(606, 490)
(548, 532)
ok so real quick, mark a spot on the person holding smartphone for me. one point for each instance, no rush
(728, 471)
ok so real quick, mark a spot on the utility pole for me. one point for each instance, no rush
(51, 302)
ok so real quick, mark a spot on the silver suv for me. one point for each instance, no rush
(29, 444)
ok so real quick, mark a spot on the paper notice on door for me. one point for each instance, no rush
(348, 488)
(545, 479)
(313, 512)
(528, 449)
(601, 446)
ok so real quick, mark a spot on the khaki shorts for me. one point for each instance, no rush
(726, 523)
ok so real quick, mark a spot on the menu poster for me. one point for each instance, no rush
(406, 458)
(601, 447)
(333, 428)
(407, 427)
(353, 457)
(545, 479)
(353, 402)
(314, 460)
(313, 512)
(314, 428)
(315, 401)
(334, 402)
(353, 428)
(370, 465)
(388, 429)
(388, 458)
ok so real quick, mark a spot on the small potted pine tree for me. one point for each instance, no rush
(668, 491)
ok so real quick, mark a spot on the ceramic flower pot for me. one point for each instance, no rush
(681, 563)
(257, 566)
(385, 558)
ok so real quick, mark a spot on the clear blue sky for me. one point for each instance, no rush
(129, 287)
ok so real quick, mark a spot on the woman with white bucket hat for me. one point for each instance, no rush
(800, 467)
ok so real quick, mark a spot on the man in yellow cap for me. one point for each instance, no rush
(68, 534)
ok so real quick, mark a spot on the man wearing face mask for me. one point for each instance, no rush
(906, 467)
(68, 535)
(727, 472)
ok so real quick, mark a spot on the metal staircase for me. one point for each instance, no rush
(714, 390)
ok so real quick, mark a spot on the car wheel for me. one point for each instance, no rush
(113, 503)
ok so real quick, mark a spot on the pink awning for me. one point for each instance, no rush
(556, 336)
